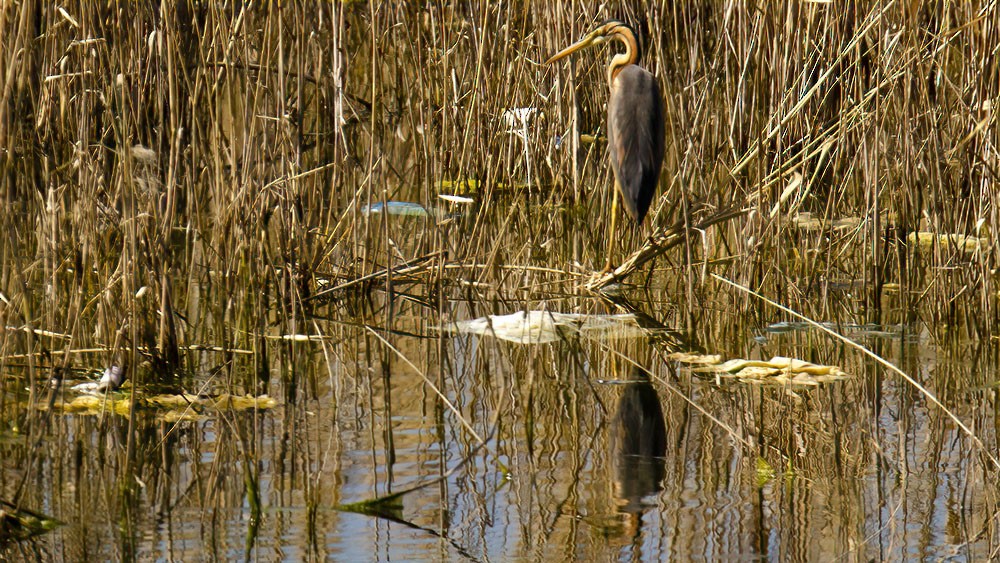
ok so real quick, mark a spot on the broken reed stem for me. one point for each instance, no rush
(410, 267)
(661, 241)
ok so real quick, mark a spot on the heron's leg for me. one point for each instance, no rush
(611, 233)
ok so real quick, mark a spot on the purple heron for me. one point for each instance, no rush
(635, 122)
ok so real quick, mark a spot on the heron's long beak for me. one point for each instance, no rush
(581, 44)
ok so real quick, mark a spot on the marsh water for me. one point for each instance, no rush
(853, 469)
(351, 299)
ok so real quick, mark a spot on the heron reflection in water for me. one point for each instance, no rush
(635, 123)
(638, 444)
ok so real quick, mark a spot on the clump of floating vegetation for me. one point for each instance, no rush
(776, 371)
(168, 407)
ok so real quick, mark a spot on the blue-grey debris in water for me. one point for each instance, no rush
(402, 209)
(872, 330)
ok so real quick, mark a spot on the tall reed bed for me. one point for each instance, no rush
(200, 174)
(204, 175)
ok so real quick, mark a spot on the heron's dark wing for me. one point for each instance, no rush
(636, 137)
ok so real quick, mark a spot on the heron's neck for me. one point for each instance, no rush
(629, 57)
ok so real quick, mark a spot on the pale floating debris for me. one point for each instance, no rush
(807, 222)
(967, 243)
(401, 209)
(518, 116)
(542, 327)
(143, 154)
(300, 337)
(692, 358)
(778, 370)
(782, 327)
(456, 199)
(111, 380)
(776, 362)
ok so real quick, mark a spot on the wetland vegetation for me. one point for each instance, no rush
(319, 281)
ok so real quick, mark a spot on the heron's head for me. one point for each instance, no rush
(608, 30)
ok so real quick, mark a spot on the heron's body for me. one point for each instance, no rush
(635, 121)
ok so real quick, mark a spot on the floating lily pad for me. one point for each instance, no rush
(541, 327)
(186, 415)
